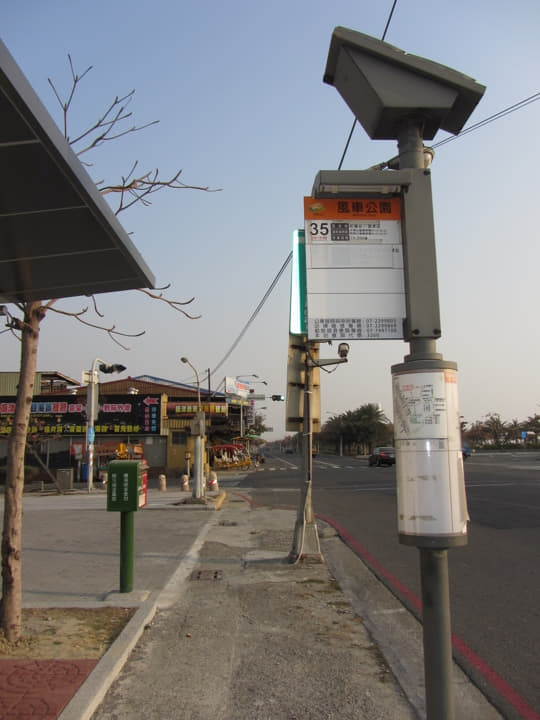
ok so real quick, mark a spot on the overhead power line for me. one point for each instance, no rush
(254, 315)
(496, 116)
(355, 120)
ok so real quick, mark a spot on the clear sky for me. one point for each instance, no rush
(238, 90)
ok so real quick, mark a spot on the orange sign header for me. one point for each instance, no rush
(376, 208)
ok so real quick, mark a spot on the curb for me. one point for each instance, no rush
(92, 692)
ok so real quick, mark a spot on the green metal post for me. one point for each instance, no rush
(127, 544)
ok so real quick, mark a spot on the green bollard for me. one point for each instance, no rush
(127, 544)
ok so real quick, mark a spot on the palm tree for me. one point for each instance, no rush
(372, 425)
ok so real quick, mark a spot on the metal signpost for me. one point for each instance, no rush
(126, 493)
(432, 512)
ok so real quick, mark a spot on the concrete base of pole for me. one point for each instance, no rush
(306, 544)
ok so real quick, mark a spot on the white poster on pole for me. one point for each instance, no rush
(429, 463)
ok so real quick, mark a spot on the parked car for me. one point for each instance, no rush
(382, 456)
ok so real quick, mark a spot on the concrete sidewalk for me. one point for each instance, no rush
(226, 628)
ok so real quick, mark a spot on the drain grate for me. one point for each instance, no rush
(207, 575)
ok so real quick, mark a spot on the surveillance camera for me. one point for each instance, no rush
(343, 350)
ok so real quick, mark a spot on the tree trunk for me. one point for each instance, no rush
(11, 605)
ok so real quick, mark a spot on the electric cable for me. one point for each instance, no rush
(254, 314)
(486, 121)
(355, 120)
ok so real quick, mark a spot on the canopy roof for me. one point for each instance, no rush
(58, 236)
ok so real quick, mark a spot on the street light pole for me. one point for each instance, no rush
(238, 377)
(306, 538)
(198, 430)
(92, 405)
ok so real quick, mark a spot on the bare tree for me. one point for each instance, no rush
(24, 320)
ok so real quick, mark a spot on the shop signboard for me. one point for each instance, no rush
(66, 415)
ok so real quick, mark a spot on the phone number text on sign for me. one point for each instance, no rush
(355, 328)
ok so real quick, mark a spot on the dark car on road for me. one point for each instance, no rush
(382, 456)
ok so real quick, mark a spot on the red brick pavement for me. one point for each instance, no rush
(39, 689)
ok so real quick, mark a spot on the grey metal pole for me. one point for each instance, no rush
(197, 466)
(90, 439)
(306, 536)
(438, 668)
(308, 444)
(437, 634)
(198, 449)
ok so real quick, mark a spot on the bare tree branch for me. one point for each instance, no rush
(66, 104)
(103, 126)
(112, 332)
(141, 187)
(108, 127)
(96, 309)
(174, 304)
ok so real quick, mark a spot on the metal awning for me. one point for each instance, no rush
(58, 236)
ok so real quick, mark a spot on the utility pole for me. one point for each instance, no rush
(198, 429)
(306, 537)
(92, 409)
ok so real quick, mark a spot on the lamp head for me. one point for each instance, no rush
(112, 368)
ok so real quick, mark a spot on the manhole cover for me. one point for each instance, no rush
(207, 575)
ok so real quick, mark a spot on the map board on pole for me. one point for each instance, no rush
(354, 268)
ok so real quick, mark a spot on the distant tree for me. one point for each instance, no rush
(373, 426)
(258, 427)
(476, 433)
(495, 428)
(333, 432)
(513, 430)
(532, 424)
(359, 429)
(24, 319)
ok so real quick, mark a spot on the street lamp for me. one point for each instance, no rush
(186, 361)
(239, 377)
(92, 407)
(198, 430)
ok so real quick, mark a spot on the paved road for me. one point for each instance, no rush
(495, 580)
